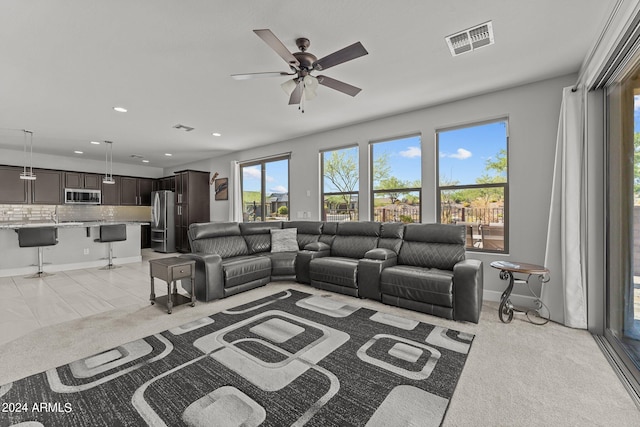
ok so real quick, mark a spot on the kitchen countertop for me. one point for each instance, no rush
(66, 224)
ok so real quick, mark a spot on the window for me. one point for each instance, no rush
(265, 190)
(396, 177)
(473, 184)
(340, 180)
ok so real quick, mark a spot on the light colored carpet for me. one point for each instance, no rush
(517, 374)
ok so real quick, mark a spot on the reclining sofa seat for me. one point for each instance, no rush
(224, 264)
(234, 257)
(432, 275)
(337, 270)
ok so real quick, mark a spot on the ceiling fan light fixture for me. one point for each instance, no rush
(310, 86)
(289, 86)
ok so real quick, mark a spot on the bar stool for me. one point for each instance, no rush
(109, 234)
(37, 237)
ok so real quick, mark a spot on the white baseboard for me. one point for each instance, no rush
(50, 268)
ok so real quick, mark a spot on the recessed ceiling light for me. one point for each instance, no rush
(95, 142)
(120, 109)
(145, 161)
(78, 152)
(168, 154)
(216, 134)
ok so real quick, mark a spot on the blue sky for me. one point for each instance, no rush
(277, 177)
(463, 152)
(405, 157)
(636, 113)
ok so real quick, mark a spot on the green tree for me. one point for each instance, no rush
(341, 169)
(498, 165)
(392, 183)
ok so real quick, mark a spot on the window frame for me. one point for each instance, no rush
(504, 185)
(373, 191)
(263, 180)
(323, 213)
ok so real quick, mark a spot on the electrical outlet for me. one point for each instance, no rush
(86, 251)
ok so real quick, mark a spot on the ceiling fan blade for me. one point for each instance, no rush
(338, 85)
(275, 44)
(260, 75)
(296, 95)
(354, 51)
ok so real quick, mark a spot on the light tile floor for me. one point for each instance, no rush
(29, 304)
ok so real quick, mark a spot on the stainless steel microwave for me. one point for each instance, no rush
(82, 196)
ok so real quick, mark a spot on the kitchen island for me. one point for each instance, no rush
(76, 247)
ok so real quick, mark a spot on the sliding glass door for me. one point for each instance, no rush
(622, 311)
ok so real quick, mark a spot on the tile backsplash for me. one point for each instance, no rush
(46, 213)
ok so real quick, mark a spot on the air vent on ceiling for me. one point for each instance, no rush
(470, 39)
(183, 127)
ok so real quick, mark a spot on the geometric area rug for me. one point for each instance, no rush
(288, 359)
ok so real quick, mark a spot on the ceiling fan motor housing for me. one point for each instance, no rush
(306, 60)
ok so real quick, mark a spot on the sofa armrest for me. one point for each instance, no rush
(369, 271)
(467, 290)
(380, 254)
(317, 247)
(209, 280)
(303, 259)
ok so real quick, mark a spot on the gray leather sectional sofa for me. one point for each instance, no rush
(421, 267)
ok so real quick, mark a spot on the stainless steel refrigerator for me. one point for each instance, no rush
(163, 238)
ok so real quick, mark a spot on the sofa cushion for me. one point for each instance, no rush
(258, 235)
(284, 240)
(243, 269)
(391, 234)
(225, 246)
(431, 286)
(282, 263)
(308, 231)
(353, 246)
(432, 245)
(336, 270)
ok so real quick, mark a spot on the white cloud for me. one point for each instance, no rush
(279, 189)
(411, 152)
(636, 102)
(460, 154)
(270, 178)
(252, 172)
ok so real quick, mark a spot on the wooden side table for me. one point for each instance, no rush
(507, 269)
(171, 269)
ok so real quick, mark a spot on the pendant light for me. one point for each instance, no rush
(28, 174)
(108, 163)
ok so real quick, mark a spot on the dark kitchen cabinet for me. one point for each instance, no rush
(166, 183)
(89, 181)
(135, 191)
(47, 188)
(13, 190)
(191, 204)
(111, 192)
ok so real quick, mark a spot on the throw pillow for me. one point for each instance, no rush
(284, 240)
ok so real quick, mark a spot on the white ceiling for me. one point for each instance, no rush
(65, 64)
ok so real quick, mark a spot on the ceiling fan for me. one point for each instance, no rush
(303, 63)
